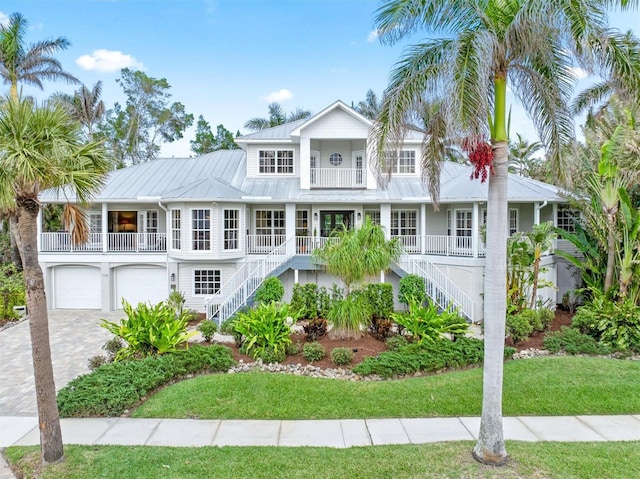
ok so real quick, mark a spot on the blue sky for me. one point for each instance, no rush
(227, 59)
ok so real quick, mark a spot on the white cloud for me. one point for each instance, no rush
(373, 36)
(107, 61)
(278, 96)
(4, 18)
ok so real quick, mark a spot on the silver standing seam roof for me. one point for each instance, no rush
(221, 176)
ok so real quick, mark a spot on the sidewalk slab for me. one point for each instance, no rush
(560, 428)
(354, 432)
(129, 432)
(322, 433)
(614, 428)
(424, 430)
(387, 431)
(183, 433)
(13, 428)
(85, 431)
(247, 433)
(512, 428)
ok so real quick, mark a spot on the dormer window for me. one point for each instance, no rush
(335, 159)
(276, 161)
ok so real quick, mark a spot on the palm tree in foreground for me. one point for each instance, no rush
(532, 46)
(41, 147)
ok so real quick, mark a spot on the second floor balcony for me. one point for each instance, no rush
(109, 243)
(338, 178)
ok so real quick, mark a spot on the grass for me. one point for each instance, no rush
(613, 460)
(542, 386)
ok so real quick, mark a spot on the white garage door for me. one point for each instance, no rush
(140, 285)
(77, 287)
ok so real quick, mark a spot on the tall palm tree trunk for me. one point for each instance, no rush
(611, 255)
(48, 416)
(490, 448)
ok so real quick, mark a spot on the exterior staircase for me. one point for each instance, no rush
(238, 290)
(444, 292)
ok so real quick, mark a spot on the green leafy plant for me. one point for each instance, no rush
(271, 290)
(293, 348)
(265, 330)
(313, 351)
(207, 328)
(149, 330)
(380, 297)
(341, 356)
(426, 322)
(519, 326)
(412, 288)
(347, 316)
(380, 328)
(115, 387)
(572, 341)
(616, 324)
(12, 292)
(310, 301)
(396, 342)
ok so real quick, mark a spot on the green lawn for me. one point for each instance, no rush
(543, 386)
(616, 460)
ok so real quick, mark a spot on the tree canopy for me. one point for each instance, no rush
(206, 142)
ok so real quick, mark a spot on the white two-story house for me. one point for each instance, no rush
(214, 226)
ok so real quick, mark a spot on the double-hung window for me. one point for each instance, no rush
(275, 161)
(175, 229)
(231, 229)
(206, 281)
(404, 163)
(201, 229)
(566, 218)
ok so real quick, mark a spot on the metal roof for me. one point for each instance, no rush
(221, 176)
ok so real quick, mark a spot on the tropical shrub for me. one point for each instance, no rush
(380, 297)
(341, 356)
(616, 324)
(380, 328)
(207, 328)
(426, 322)
(270, 290)
(315, 329)
(309, 301)
(412, 289)
(313, 351)
(265, 330)
(519, 327)
(12, 292)
(115, 387)
(293, 348)
(347, 316)
(572, 341)
(149, 330)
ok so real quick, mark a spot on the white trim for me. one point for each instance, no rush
(191, 230)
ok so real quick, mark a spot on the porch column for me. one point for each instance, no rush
(423, 226)
(305, 154)
(475, 230)
(290, 228)
(385, 219)
(105, 227)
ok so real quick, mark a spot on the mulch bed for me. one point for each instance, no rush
(367, 345)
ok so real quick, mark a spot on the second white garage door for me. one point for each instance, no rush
(140, 285)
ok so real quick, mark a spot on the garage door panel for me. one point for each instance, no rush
(77, 287)
(140, 285)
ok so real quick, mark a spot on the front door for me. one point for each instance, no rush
(330, 220)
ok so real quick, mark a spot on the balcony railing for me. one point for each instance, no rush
(115, 243)
(338, 177)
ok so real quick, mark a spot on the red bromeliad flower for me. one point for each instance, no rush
(480, 155)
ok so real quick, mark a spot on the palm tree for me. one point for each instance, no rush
(530, 44)
(84, 105)
(19, 64)
(370, 106)
(277, 117)
(41, 147)
(521, 159)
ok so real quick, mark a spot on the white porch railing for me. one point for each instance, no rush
(338, 177)
(448, 245)
(238, 289)
(263, 244)
(115, 243)
(444, 292)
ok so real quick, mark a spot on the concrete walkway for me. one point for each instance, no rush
(340, 433)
